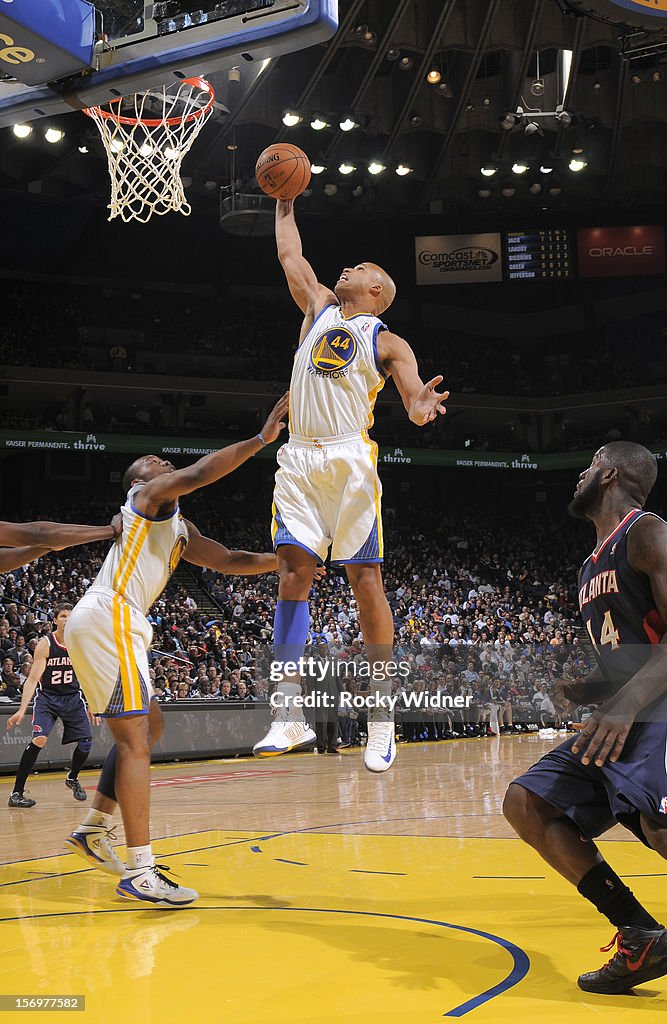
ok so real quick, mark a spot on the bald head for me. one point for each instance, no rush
(388, 289)
(636, 466)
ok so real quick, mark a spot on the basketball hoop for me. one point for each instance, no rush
(146, 136)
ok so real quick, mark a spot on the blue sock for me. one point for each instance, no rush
(290, 630)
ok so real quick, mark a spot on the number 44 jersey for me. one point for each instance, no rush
(618, 607)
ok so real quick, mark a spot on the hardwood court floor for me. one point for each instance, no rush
(327, 893)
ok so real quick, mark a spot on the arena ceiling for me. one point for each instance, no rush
(484, 58)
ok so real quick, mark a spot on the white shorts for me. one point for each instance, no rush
(327, 495)
(108, 641)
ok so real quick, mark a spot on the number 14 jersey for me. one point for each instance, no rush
(618, 607)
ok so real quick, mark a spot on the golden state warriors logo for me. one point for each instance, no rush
(177, 552)
(333, 352)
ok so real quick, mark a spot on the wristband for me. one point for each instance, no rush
(260, 438)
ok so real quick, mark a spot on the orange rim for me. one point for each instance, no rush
(155, 122)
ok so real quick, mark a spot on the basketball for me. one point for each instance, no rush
(283, 171)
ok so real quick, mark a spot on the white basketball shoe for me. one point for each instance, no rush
(92, 843)
(380, 751)
(150, 885)
(283, 736)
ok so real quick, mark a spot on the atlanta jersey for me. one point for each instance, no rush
(336, 376)
(617, 606)
(59, 676)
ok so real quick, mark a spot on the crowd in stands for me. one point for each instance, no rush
(484, 607)
(127, 330)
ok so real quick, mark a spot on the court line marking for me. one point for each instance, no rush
(363, 871)
(520, 959)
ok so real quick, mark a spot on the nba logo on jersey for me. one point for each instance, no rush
(663, 805)
(613, 551)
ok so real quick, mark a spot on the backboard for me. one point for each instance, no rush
(138, 45)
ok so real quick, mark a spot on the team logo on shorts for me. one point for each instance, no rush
(333, 352)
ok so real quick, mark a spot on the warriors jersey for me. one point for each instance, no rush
(336, 376)
(617, 606)
(140, 563)
(58, 676)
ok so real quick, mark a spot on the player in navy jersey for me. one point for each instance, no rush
(58, 695)
(615, 770)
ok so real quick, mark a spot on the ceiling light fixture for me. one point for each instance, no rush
(22, 131)
(376, 167)
(54, 135)
(576, 164)
(347, 124)
(291, 118)
(488, 170)
(317, 168)
(402, 170)
(346, 168)
(330, 189)
(433, 77)
(318, 123)
(520, 167)
(405, 63)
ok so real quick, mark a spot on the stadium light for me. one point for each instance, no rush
(347, 124)
(346, 168)
(318, 123)
(22, 131)
(520, 167)
(54, 135)
(291, 118)
(402, 170)
(577, 164)
(317, 168)
(488, 171)
(376, 167)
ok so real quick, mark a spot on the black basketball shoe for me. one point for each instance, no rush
(19, 800)
(641, 956)
(76, 787)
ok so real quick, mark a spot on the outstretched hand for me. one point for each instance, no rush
(275, 422)
(428, 403)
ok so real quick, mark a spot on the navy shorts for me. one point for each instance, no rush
(595, 799)
(69, 707)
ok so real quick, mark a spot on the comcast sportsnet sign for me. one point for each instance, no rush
(458, 259)
(621, 252)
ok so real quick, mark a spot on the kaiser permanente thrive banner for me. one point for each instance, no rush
(621, 252)
(458, 259)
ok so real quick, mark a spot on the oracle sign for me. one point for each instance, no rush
(621, 252)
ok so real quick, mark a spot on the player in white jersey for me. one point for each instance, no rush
(108, 636)
(327, 493)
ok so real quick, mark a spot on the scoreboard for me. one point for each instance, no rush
(541, 255)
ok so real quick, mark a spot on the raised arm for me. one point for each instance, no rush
(30, 685)
(164, 490)
(53, 536)
(422, 401)
(309, 295)
(14, 558)
(210, 554)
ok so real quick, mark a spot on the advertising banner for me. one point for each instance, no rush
(621, 252)
(458, 259)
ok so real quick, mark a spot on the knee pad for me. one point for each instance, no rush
(85, 746)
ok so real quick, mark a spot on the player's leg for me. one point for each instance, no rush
(550, 807)
(43, 720)
(92, 839)
(289, 730)
(377, 627)
(76, 728)
(143, 880)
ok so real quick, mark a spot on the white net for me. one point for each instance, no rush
(146, 137)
